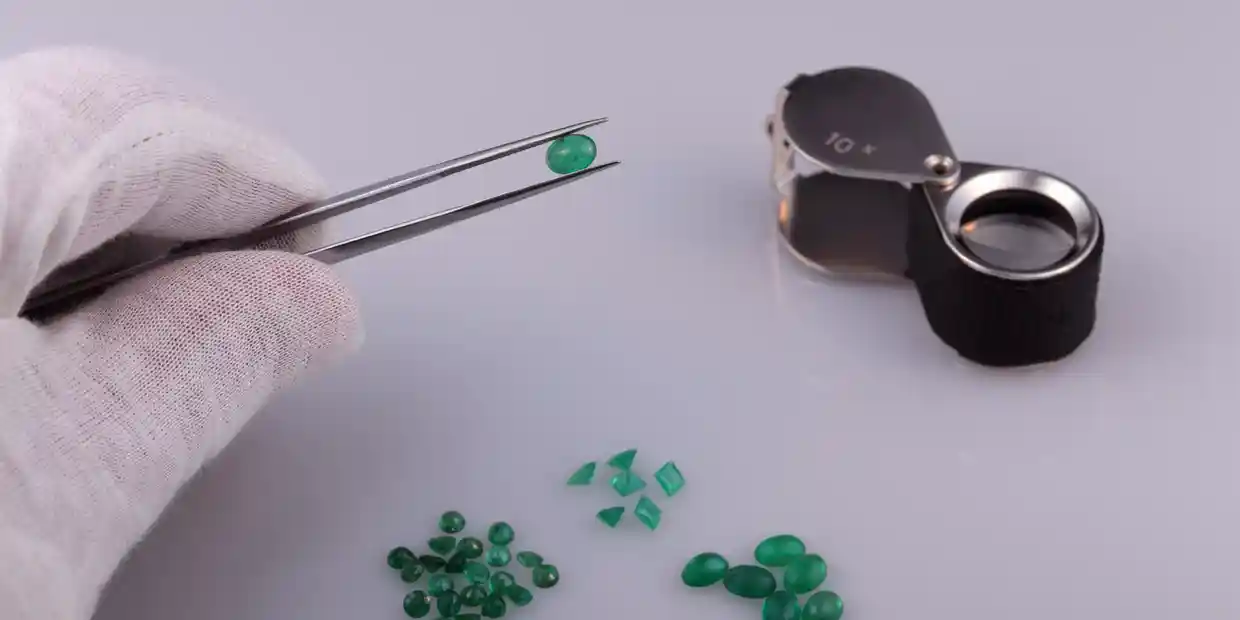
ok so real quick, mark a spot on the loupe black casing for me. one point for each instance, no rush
(1006, 260)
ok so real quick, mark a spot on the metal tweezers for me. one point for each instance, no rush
(46, 303)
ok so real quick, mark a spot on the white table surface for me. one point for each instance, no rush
(650, 307)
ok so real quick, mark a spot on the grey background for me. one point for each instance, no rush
(650, 307)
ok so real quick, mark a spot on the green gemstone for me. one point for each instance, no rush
(412, 572)
(501, 534)
(571, 153)
(648, 512)
(824, 605)
(779, 550)
(748, 581)
(448, 604)
(438, 584)
(500, 580)
(456, 564)
(443, 545)
(477, 572)
(499, 555)
(583, 476)
(529, 559)
(670, 478)
(469, 547)
(472, 596)
(611, 516)
(398, 557)
(805, 573)
(433, 563)
(468, 616)
(451, 522)
(627, 483)
(494, 606)
(704, 569)
(624, 460)
(417, 604)
(519, 595)
(781, 606)
(546, 576)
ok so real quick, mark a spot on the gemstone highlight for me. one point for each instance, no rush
(648, 513)
(627, 483)
(469, 547)
(417, 604)
(805, 573)
(451, 522)
(747, 581)
(824, 605)
(704, 569)
(498, 555)
(571, 153)
(412, 572)
(611, 516)
(546, 576)
(779, 550)
(583, 476)
(670, 478)
(501, 533)
(624, 460)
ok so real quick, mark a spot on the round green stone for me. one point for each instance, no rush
(412, 572)
(781, 605)
(501, 534)
(477, 572)
(456, 563)
(824, 605)
(451, 522)
(499, 555)
(500, 581)
(546, 576)
(448, 604)
(779, 550)
(748, 581)
(805, 573)
(571, 154)
(438, 584)
(470, 547)
(472, 596)
(443, 545)
(433, 563)
(529, 559)
(398, 557)
(519, 595)
(704, 569)
(494, 606)
(417, 604)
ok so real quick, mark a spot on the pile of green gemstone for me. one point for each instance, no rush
(625, 483)
(483, 593)
(803, 574)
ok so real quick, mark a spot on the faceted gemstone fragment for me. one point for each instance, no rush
(417, 604)
(494, 606)
(824, 605)
(611, 516)
(529, 559)
(627, 483)
(546, 576)
(781, 605)
(397, 557)
(451, 522)
(469, 547)
(448, 604)
(624, 460)
(443, 545)
(477, 572)
(472, 596)
(583, 476)
(519, 595)
(704, 569)
(501, 533)
(412, 572)
(747, 581)
(571, 153)
(805, 573)
(432, 563)
(500, 581)
(456, 564)
(648, 513)
(779, 550)
(670, 478)
(438, 584)
(499, 555)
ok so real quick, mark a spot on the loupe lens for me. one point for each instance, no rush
(1018, 230)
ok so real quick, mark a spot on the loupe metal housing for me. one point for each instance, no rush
(1005, 260)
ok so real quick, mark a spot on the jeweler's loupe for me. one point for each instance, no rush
(1006, 260)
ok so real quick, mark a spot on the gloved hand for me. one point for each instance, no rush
(107, 411)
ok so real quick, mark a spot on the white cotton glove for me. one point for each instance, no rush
(107, 411)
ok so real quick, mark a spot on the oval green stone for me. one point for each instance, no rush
(494, 606)
(448, 604)
(805, 573)
(398, 557)
(499, 555)
(477, 572)
(433, 563)
(412, 572)
(451, 522)
(472, 596)
(571, 154)
(704, 569)
(824, 605)
(501, 534)
(456, 563)
(546, 576)
(748, 581)
(779, 550)
(417, 604)
(519, 595)
(500, 581)
(438, 584)
(443, 545)
(781, 605)
(470, 547)
(529, 559)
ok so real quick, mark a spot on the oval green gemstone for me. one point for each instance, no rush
(704, 569)
(443, 545)
(451, 522)
(417, 604)
(748, 581)
(456, 563)
(571, 153)
(398, 557)
(412, 572)
(805, 573)
(472, 596)
(448, 604)
(501, 580)
(494, 606)
(501, 534)
(476, 572)
(546, 576)
(824, 605)
(779, 550)
(529, 559)
(499, 555)
(432, 563)
(519, 595)
(781, 605)
(470, 547)
(438, 584)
